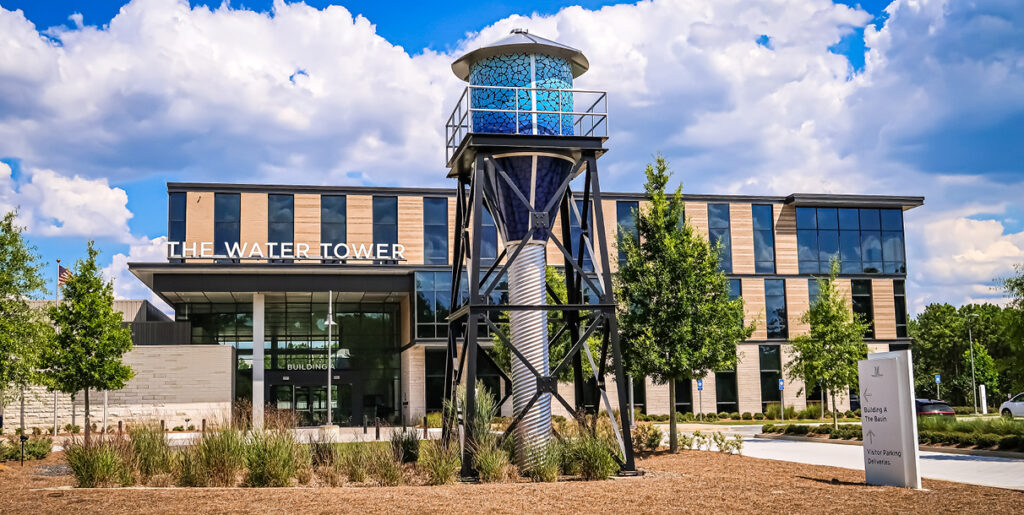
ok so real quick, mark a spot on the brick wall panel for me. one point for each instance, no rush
(884, 305)
(741, 226)
(786, 261)
(754, 306)
(410, 228)
(307, 222)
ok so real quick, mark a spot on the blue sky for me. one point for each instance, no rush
(110, 100)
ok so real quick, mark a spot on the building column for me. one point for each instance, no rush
(258, 338)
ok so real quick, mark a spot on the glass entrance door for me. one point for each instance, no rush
(310, 403)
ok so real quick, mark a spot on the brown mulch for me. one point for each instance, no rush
(692, 481)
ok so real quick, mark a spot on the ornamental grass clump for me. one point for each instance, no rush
(100, 462)
(189, 469)
(271, 459)
(548, 463)
(152, 454)
(384, 467)
(355, 460)
(594, 456)
(222, 456)
(405, 445)
(441, 461)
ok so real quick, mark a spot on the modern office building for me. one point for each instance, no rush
(246, 260)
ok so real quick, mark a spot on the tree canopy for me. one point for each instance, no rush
(676, 319)
(24, 330)
(90, 339)
(827, 355)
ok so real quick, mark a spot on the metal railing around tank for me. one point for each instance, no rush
(536, 111)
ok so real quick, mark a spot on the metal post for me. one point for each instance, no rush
(258, 338)
(970, 339)
(104, 428)
(700, 399)
(330, 349)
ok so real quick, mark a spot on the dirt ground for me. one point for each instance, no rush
(693, 481)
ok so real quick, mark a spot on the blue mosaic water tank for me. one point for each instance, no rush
(514, 84)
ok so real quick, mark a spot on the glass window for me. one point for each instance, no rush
(812, 291)
(735, 289)
(725, 391)
(435, 231)
(333, 216)
(280, 221)
(226, 222)
(771, 371)
(718, 229)
(488, 239)
(434, 365)
(775, 308)
(862, 304)
(433, 304)
(176, 220)
(900, 298)
(625, 215)
(764, 239)
(640, 395)
(864, 240)
(684, 396)
(385, 223)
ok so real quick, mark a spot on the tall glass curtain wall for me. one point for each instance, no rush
(868, 241)
(176, 219)
(775, 308)
(365, 345)
(280, 222)
(625, 215)
(726, 392)
(718, 229)
(385, 223)
(333, 220)
(770, 360)
(764, 239)
(435, 231)
(227, 216)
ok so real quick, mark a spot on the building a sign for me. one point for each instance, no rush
(285, 250)
(888, 420)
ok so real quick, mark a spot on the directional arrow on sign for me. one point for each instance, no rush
(871, 437)
(867, 396)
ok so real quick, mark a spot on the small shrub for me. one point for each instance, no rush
(685, 441)
(548, 463)
(758, 416)
(405, 445)
(768, 428)
(687, 417)
(384, 468)
(848, 414)
(711, 417)
(734, 415)
(178, 429)
(646, 437)
(1010, 443)
(747, 416)
(36, 431)
(723, 415)
(441, 461)
(37, 448)
(773, 411)
(797, 429)
(270, 459)
(791, 413)
(434, 419)
(719, 440)
(822, 429)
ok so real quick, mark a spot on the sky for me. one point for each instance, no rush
(102, 103)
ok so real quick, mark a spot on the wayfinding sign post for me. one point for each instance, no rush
(700, 397)
(888, 420)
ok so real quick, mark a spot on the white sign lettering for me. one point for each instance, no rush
(285, 250)
(888, 420)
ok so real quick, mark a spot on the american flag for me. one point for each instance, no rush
(63, 275)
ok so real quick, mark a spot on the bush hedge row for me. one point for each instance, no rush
(1010, 442)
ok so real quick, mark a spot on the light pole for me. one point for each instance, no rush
(330, 344)
(970, 340)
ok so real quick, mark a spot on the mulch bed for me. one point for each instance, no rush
(692, 481)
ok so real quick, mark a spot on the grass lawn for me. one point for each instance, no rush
(694, 481)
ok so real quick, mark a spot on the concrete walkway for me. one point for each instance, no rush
(977, 470)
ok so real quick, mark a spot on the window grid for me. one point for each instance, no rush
(764, 239)
(770, 360)
(226, 221)
(385, 224)
(775, 308)
(176, 220)
(333, 220)
(866, 241)
(280, 221)
(862, 304)
(900, 301)
(435, 231)
(625, 217)
(718, 230)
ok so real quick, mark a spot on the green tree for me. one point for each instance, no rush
(90, 339)
(676, 319)
(24, 330)
(827, 356)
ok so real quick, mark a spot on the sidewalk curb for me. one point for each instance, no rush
(929, 448)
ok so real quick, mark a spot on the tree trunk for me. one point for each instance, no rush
(835, 420)
(673, 436)
(87, 428)
(23, 411)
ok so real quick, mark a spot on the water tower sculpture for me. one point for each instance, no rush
(516, 140)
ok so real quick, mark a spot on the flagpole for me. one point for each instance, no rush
(56, 298)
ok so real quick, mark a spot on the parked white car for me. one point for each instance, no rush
(1013, 407)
